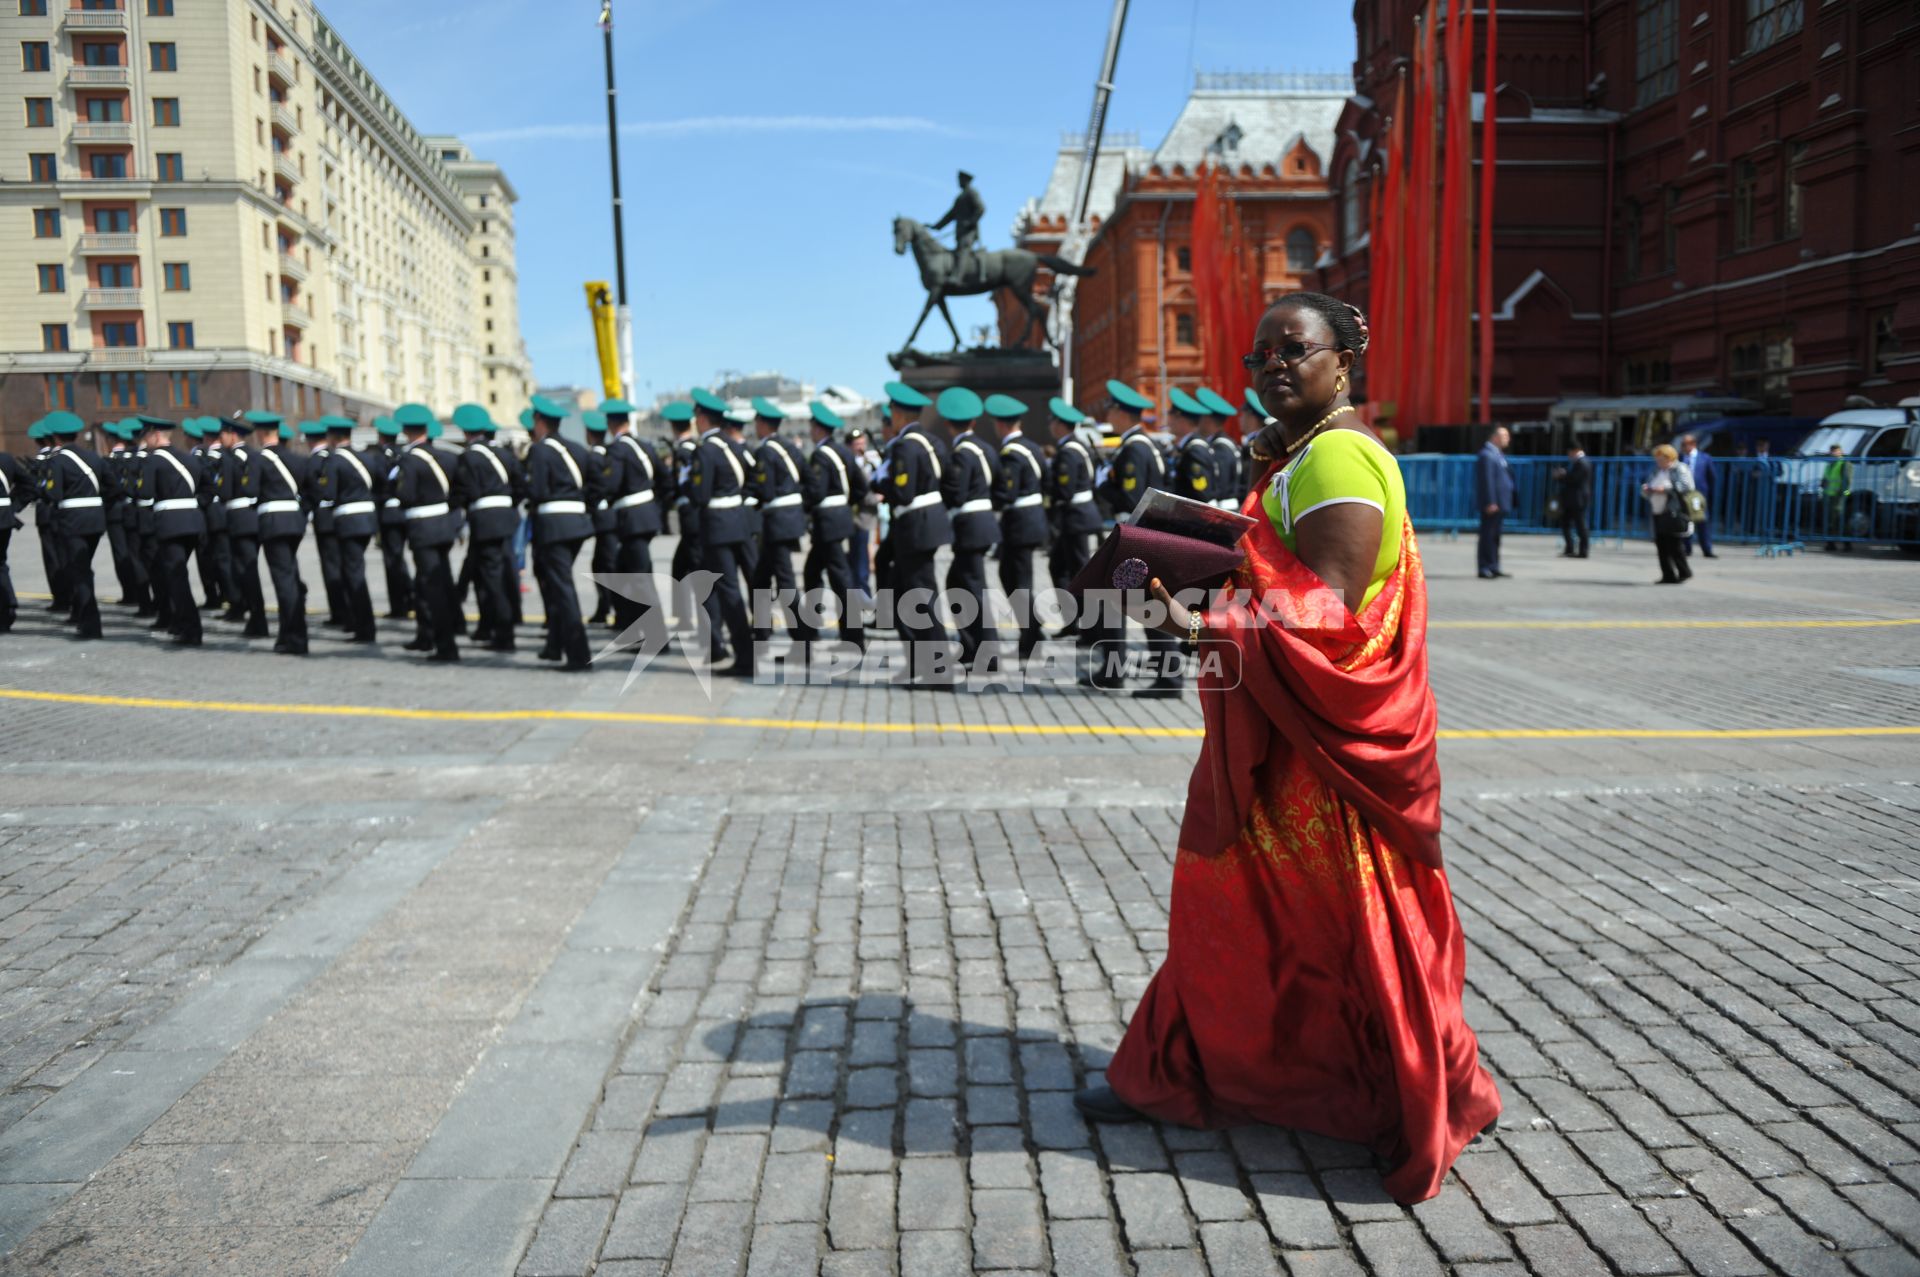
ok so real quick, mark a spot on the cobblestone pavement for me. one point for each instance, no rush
(692, 993)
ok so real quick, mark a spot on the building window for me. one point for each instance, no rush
(46, 223)
(1790, 207)
(106, 110)
(1646, 373)
(1746, 184)
(1632, 227)
(1302, 249)
(177, 277)
(39, 113)
(100, 55)
(1183, 330)
(59, 388)
(1771, 20)
(41, 168)
(35, 56)
(123, 389)
(1759, 366)
(173, 222)
(161, 57)
(112, 221)
(107, 165)
(1670, 232)
(53, 278)
(179, 336)
(166, 113)
(114, 275)
(120, 335)
(33, 8)
(184, 389)
(1883, 341)
(159, 8)
(167, 167)
(1656, 51)
(1350, 211)
(54, 337)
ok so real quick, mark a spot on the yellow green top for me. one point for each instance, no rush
(1342, 466)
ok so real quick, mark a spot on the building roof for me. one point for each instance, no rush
(1254, 117)
(1119, 154)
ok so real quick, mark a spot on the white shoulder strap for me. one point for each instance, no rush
(426, 455)
(572, 468)
(933, 454)
(1025, 454)
(733, 459)
(165, 454)
(640, 452)
(793, 471)
(979, 457)
(839, 466)
(85, 469)
(493, 461)
(347, 456)
(293, 489)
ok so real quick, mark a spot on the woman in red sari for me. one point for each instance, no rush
(1315, 964)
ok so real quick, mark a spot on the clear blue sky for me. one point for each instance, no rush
(766, 148)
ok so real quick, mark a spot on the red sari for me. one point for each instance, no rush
(1315, 964)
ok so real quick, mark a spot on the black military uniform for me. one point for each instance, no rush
(1072, 512)
(205, 456)
(243, 533)
(638, 482)
(686, 555)
(558, 474)
(127, 568)
(393, 524)
(217, 551)
(719, 492)
(973, 474)
(76, 485)
(15, 492)
(1138, 467)
(778, 484)
(274, 476)
(1193, 473)
(44, 520)
(916, 463)
(606, 536)
(835, 487)
(176, 483)
(489, 484)
(326, 548)
(423, 480)
(1020, 497)
(347, 480)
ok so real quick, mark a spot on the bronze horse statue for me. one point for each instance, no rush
(1009, 268)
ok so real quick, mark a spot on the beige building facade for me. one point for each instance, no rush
(212, 205)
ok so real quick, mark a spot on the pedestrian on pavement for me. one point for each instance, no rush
(1662, 490)
(393, 523)
(605, 558)
(558, 493)
(1493, 497)
(1699, 464)
(1138, 467)
(176, 481)
(489, 484)
(424, 479)
(776, 482)
(346, 479)
(639, 481)
(866, 519)
(719, 491)
(917, 461)
(275, 480)
(15, 494)
(1836, 486)
(1576, 496)
(77, 491)
(1315, 964)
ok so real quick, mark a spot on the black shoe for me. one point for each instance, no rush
(179, 641)
(234, 616)
(212, 605)
(368, 637)
(1159, 691)
(1668, 580)
(290, 649)
(576, 667)
(1708, 554)
(256, 631)
(1100, 1104)
(141, 613)
(482, 636)
(451, 656)
(506, 647)
(548, 654)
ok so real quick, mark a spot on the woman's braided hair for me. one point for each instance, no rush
(1347, 323)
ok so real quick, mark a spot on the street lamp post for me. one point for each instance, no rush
(623, 318)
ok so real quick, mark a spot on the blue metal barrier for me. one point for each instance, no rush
(1772, 503)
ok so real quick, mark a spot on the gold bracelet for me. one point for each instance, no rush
(1195, 618)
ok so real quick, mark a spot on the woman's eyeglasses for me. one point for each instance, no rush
(1289, 353)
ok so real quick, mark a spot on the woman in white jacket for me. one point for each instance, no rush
(1663, 487)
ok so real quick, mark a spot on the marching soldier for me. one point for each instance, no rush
(44, 521)
(686, 555)
(558, 474)
(423, 480)
(1019, 497)
(719, 493)
(835, 486)
(16, 489)
(968, 487)
(639, 481)
(216, 549)
(243, 526)
(1191, 475)
(314, 435)
(917, 462)
(1072, 512)
(489, 483)
(1228, 489)
(193, 430)
(274, 478)
(76, 489)
(346, 479)
(119, 462)
(606, 540)
(905, 406)
(776, 483)
(176, 482)
(1138, 468)
(393, 524)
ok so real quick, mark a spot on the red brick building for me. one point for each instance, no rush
(1719, 195)
(1135, 319)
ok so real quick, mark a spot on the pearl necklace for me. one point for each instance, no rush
(1304, 439)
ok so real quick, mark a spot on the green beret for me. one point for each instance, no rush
(551, 409)
(957, 403)
(595, 421)
(335, 422)
(1065, 411)
(413, 416)
(132, 425)
(38, 430)
(1213, 403)
(825, 416)
(153, 423)
(1254, 405)
(677, 411)
(906, 396)
(192, 428)
(63, 423)
(308, 429)
(287, 433)
(526, 418)
(386, 427)
(704, 398)
(765, 408)
(1005, 407)
(435, 429)
(1185, 403)
(1127, 397)
(473, 419)
(614, 408)
(260, 419)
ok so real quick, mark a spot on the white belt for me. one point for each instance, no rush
(279, 507)
(146, 503)
(241, 503)
(562, 507)
(161, 507)
(391, 502)
(979, 505)
(87, 503)
(354, 507)
(1081, 498)
(433, 511)
(924, 500)
(724, 503)
(633, 499)
(498, 501)
(833, 502)
(792, 498)
(1022, 503)
(326, 505)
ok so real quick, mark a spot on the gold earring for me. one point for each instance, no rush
(1340, 386)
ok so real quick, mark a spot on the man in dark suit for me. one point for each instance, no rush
(718, 490)
(77, 488)
(640, 481)
(836, 485)
(16, 493)
(1493, 498)
(488, 484)
(275, 479)
(917, 460)
(560, 489)
(777, 481)
(1576, 498)
(1700, 463)
(1020, 498)
(176, 481)
(347, 480)
(968, 487)
(1072, 512)
(425, 477)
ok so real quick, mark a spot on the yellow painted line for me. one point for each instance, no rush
(896, 729)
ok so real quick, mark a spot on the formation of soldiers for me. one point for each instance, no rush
(216, 498)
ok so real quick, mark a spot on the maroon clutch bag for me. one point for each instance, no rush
(1132, 556)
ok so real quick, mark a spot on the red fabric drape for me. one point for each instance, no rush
(1225, 284)
(1487, 150)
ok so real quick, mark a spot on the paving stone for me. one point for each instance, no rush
(599, 1165)
(1213, 1187)
(1626, 1165)
(1153, 1211)
(1814, 1203)
(782, 1249)
(860, 1212)
(1891, 1206)
(1503, 1190)
(793, 1189)
(713, 1238)
(1396, 1247)
(1457, 1227)
(568, 1238)
(1072, 1187)
(1622, 1234)
(933, 1194)
(729, 1168)
(646, 1222)
(1085, 1248)
(1239, 1249)
(1007, 1229)
(1557, 1249)
(1706, 1244)
(1788, 1247)
(937, 1254)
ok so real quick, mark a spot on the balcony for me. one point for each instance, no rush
(285, 120)
(90, 131)
(96, 19)
(111, 299)
(99, 77)
(280, 68)
(295, 315)
(109, 244)
(284, 166)
(118, 356)
(292, 267)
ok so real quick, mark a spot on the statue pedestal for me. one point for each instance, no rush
(1028, 375)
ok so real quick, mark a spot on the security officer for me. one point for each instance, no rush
(347, 480)
(199, 454)
(176, 483)
(638, 484)
(968, 487)
(905, 406)
(243, 524)
(489, 484)
(16, 490)
(719, 492)
(44, 520)
(1072, 511)
(835, 486)
(1191, 475)
(216, 549)
(76, 487)
(119, 461)
(917, 463)
(275, 476)
(393, 523)
(1019, 497)
(686, 555)
(314, 435)
(1138, 468)
(777, 483)
(1228, 486)
(606, 539)
(558, 474)
(423, 479)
